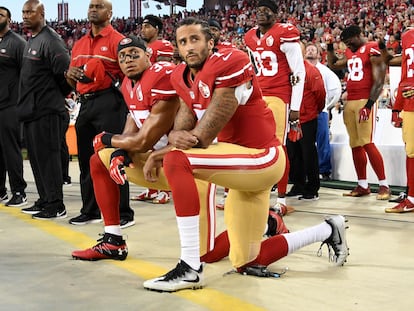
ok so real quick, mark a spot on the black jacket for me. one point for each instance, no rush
(11, 53)
(43, 86)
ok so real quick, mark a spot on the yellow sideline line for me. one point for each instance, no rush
(207, 297)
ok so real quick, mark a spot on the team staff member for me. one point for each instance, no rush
(41, 107)
(11, 160)
(302, 153)
(93, 69)
(160, 50)
(366, 74)
(153, 104)
(222, 99)
(333, 90)
(276, 53)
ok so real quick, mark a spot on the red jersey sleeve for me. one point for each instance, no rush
(231, 68)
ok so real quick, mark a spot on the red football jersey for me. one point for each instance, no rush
(160, 48)
(360, 78)
(407, 72)
(271, 66)
(153, 86)
(252, 125)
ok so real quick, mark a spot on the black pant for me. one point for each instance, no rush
(11, 160)
(106, 112)
(303, 157)
(65, 151)
(44, 138)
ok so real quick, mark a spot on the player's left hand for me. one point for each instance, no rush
(396, 120)
(119, 160)
(182, 139)
(151, 169)
(364, 114)
(295, 132)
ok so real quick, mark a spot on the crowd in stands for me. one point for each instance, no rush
(315, 19)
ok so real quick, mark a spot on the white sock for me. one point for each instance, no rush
(411, 199)
(281, 200)
(301, 238)
(188, 228)
(383, 183)
(114, 229)
(363, 183)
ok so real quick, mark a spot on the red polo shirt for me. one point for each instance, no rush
(103, 46)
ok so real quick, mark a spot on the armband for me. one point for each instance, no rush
(330, 47)
(369, 103)
(106, 139)
(381, 45)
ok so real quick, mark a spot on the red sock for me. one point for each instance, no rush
(360, 162)
(410, 176)
(271, 251)
(180, 177)
(106, 191)
(221, 249)
(283, 182)
(376, 160)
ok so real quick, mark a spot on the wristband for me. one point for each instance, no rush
(369, 103)
(330, 47)
(106, 139)
(381, 45)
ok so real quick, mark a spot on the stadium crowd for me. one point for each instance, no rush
(314, 19)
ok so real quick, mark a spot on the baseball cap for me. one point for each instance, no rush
(93, 70)
(132, 40)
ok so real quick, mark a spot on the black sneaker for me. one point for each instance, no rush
(125, 223)
(294, 192)
(260, 271)
(18, 199)
(34, 209)
(309, 197)
(325, 177)
(4, 198)
(401, 197)
(67, 182)
(52, 212)
(84, 219)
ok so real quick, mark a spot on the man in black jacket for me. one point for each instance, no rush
(41, 107)
(11, 161)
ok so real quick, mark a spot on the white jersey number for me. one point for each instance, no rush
(265, 63)
(355, 69)
(410, 58)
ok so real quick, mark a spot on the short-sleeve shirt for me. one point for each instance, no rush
(231, 68)
(360, 77)
(103, 46)
(407, 72)
(154, 85)
(272, 67)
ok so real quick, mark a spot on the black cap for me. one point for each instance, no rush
(214, 23)
(154, 21)
(269, 4)
(132, 41)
